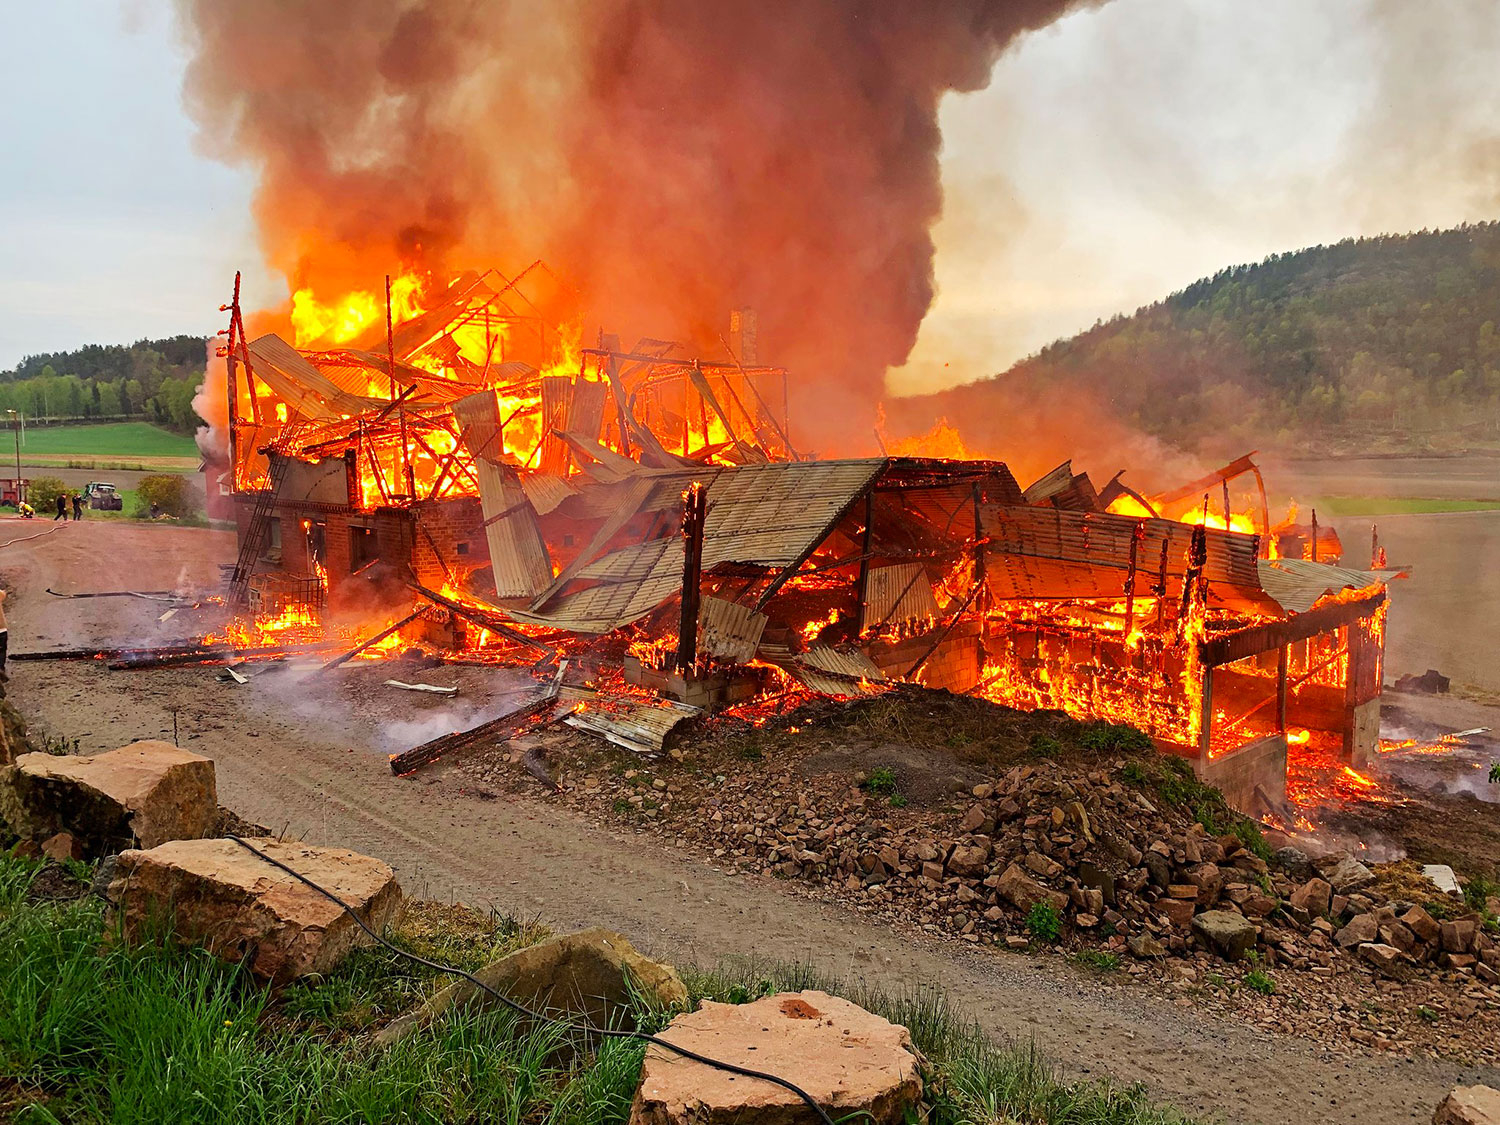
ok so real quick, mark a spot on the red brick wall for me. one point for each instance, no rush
(448, 538)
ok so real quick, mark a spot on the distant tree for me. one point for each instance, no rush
(168, 492)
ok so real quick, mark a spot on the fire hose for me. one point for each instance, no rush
(538, 1017)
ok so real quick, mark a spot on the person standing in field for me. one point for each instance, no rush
(78, 505)
(62, 507)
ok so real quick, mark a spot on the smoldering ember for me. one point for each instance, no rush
(552, 661)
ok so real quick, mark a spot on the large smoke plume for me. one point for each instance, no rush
(673, 158)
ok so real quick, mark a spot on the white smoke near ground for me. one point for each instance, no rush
(301, 688)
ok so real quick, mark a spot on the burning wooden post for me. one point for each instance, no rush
(694, 510)
(1136, 537)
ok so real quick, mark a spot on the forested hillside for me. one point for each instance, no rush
(1386, 342)
(153, 380)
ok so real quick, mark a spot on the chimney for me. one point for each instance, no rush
(742, 328)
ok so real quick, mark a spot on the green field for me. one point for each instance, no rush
(1397, 505)
(111, 440)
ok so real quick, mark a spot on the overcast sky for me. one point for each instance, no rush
(1115, 157)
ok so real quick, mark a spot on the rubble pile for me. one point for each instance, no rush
(1136, 873)
(1122, 854)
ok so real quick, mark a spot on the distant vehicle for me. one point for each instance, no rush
(12, 489)
(103, 497)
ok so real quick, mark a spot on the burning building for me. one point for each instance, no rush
(467, 475)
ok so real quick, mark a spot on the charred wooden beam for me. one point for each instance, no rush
(1229, 647)
(137, 661)
(429, 752)
(490, 621)
(376, 639)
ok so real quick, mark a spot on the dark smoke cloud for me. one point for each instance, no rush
(673, 158)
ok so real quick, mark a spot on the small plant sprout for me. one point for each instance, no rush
(882, 780)
(1258, 980)
(1043, 922)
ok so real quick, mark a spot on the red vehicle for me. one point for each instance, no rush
(13, 490)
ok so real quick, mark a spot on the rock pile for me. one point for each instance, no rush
(1096, 853)
(1093, 849)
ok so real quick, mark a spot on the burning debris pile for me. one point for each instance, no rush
(461, 474)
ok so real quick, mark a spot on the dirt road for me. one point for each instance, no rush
(308, 753)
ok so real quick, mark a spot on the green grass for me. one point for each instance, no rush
(93, 1030)
(1397, 505)
(1098, 960)
(110, 440)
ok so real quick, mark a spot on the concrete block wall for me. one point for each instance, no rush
(1240, 773)
(956, 664)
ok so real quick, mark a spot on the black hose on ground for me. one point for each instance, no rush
(579, 1025)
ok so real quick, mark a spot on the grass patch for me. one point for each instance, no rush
(94, 1031)
(1258, 980)
(1114, 738)
(110, 440)
(1398, 505)
(881, 782)
(1098, 960)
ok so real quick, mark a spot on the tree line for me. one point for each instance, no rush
(150, 380)
(1392, 338)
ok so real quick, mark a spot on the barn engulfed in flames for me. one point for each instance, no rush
(469, 475)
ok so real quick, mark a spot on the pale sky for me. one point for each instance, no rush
(1115, 157)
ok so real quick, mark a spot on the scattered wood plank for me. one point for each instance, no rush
(433, 688)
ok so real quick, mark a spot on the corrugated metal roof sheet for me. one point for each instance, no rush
(478, 417)
(1050, 553)
(546, 492)
(305, 389)
(1050, 484)
(831, 671)
(367, 374)
(1297, 584)
(728, 630)
(768, 515)
(899, 593)
(517, 554)
(643, 728)
(597, 461)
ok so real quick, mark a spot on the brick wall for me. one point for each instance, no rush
(449, 537)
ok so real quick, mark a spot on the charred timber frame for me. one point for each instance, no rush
(1256, 639)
